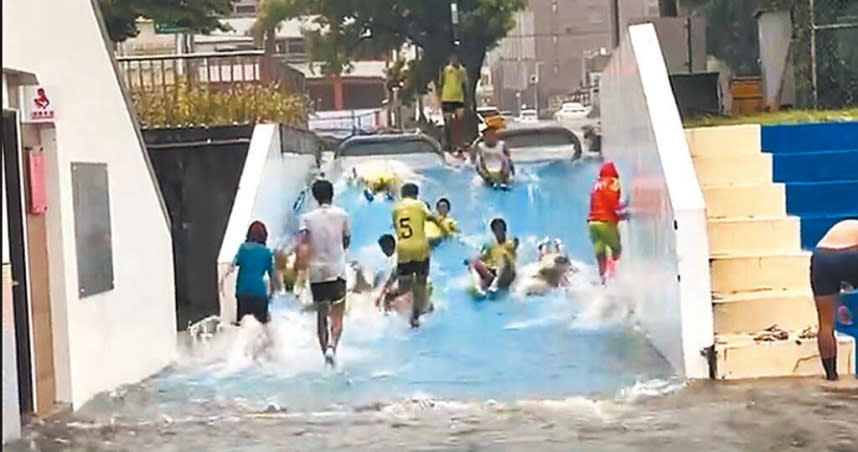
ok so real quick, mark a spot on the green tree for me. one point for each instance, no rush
(354, 27)
(731, 36)
(200, 16)
(271, 14)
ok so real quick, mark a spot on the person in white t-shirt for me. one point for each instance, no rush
(324, 236)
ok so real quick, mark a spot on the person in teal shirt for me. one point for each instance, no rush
(253, 261)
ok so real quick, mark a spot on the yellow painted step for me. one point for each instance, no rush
(750, 312)
(724, 140)
(754, 234)
(740, 357)
(732, 273)
(757, 200)
(740, 169)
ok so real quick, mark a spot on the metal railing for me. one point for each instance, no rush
(216, 71)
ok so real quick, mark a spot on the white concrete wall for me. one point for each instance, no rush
(665, 263)
(270, 183)
(128, 333)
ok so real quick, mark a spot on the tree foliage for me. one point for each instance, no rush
(351, 28)
(269, 17)
(731, 36)
(199, 16)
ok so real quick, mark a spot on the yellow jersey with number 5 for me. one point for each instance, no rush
(409, 219)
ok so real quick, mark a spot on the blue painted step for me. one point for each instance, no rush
(813, 227)
(816, 166)
(810, 137)
(820, 198)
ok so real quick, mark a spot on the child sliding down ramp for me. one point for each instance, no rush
(380, 177)
(552, 270)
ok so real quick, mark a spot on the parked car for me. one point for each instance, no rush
(572, 111)
(490, 115)
(528, 116)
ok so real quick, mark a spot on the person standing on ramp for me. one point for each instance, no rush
(454, 85)
(324, 236)
(412, 251)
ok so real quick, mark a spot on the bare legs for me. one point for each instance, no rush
(329, 327)
(453, 129)
(825, 309)
(416, 284)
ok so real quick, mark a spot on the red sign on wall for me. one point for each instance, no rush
(37, 105)
(36, 171)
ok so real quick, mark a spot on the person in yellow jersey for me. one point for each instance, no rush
(412, 250)
(376, 181)
(494, 268)
(454, 85)
(444, 226)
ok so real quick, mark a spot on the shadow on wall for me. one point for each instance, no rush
(198, 171)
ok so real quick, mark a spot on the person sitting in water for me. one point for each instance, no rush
(493, 160)
(449, 226)
(553, 268)
(495, 266)
(443, 226)
(833, 268)
(606, 212)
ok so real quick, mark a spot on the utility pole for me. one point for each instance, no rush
(615, 23)
(454, 19)
(813, 82)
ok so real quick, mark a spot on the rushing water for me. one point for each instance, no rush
(513, 373)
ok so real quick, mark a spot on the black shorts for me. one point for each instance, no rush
(416, 268)
(451, 107)
(829, 269)
(253, 305)
(329, 291)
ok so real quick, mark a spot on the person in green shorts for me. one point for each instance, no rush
(606, 212)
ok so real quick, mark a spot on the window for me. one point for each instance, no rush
(245, 9)
(295, 45)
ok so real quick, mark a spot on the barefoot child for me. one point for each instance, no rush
(606, 212)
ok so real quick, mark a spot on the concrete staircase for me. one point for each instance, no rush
(758, 268)
(818, 163)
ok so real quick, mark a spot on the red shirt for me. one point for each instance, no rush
(605, 200)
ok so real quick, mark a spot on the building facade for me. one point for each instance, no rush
(89, 260)
(547, 53)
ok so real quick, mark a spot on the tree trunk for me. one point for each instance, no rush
(473, 59)
(267, 72)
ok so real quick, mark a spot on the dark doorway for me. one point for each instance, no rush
(14, 207)
(198, 171)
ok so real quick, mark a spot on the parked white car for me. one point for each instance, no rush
(572, 111)
(528, 116)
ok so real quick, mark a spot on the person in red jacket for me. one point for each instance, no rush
(606, 212)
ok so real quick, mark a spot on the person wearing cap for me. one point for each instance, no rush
(606, 212)
(493, 160)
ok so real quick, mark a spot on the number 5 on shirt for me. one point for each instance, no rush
(404, 228)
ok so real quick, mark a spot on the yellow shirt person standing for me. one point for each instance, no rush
(453, 84)
(412, 249)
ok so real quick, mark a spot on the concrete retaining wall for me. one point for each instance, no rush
(665, 263)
